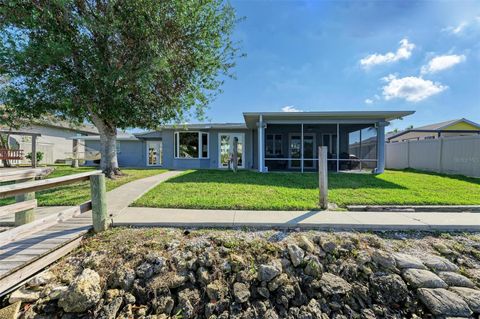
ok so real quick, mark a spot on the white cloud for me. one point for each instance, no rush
(368, 101)
(403, 52)
(456, 29)
(442, 62)
(410, 88)
(290, 108)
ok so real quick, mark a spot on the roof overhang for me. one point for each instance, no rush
(206, 126)
(97, 138)
(251, 118)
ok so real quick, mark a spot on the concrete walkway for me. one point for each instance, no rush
(327, 220)
(119, 198)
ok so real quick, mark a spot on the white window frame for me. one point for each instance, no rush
(199, 133)
(160, 155)
(273, 146)
(118, 147)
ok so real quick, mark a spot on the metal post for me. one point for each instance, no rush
(301, 149)
(338, 147)
(261, 145)
(99, 202)
(323, 176)
(26, 216)
(34, 151)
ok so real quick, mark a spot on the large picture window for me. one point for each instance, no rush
(191, 145)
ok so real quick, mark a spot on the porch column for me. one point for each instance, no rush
(380, 147)
(301, 149)
(261, 145)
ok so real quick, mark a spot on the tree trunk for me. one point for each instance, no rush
(108, 147)
(5, 144)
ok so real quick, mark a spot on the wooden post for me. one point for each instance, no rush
(34, 151)
(235, 154)
(323, 176)
(75, 154)
(99, 202)
(26, 216)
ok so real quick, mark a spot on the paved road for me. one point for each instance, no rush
(375, 221)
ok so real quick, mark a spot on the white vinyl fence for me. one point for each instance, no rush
(450, 155)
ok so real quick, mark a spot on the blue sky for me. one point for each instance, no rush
(338, 55)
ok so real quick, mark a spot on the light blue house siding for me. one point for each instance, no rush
(133, 153)
(272, 141)
(169, 161)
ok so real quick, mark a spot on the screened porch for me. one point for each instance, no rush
(294, 147)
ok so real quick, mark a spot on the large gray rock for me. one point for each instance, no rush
(188, 302)
(268, 272)
(83, 293)
(388, 289)
(41, 279)
(241, 292)
(110, 310)
(442, 302)
(216, 290)
(455, 279)
(314, 267)
(296, 254)
(334, 285)
(306, 244)
(24, 295)
(420, 278)
(122, 278)
(383, 259)
(404, 261)
(471, 297)
(438, 263)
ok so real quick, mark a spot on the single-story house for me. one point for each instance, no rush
(267, 141)
(55, 140)
(457, 127)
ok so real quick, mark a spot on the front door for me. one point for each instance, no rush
(295, 150)
(154, 153)
(225, 152)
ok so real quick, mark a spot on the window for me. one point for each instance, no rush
(191, 145)
(273, 145)
(118, 147)
(429, 137)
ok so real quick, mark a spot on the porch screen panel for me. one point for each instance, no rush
(283, 147)
(369, 148)
(358, 147)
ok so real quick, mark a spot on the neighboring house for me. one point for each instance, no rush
(266, 141)
(459, 127)
(55, 141)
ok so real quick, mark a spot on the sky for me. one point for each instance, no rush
(356, 56)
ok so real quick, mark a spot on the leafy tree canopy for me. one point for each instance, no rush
(116, 63)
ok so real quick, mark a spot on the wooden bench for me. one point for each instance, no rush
(7, 154)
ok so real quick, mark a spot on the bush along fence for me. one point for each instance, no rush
(449, 155)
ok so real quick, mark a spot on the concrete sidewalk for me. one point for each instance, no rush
(327, 220)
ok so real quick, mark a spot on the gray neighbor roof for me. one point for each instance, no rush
(434, 126)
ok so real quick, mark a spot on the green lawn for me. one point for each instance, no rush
(291, 191)
(76, 194)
